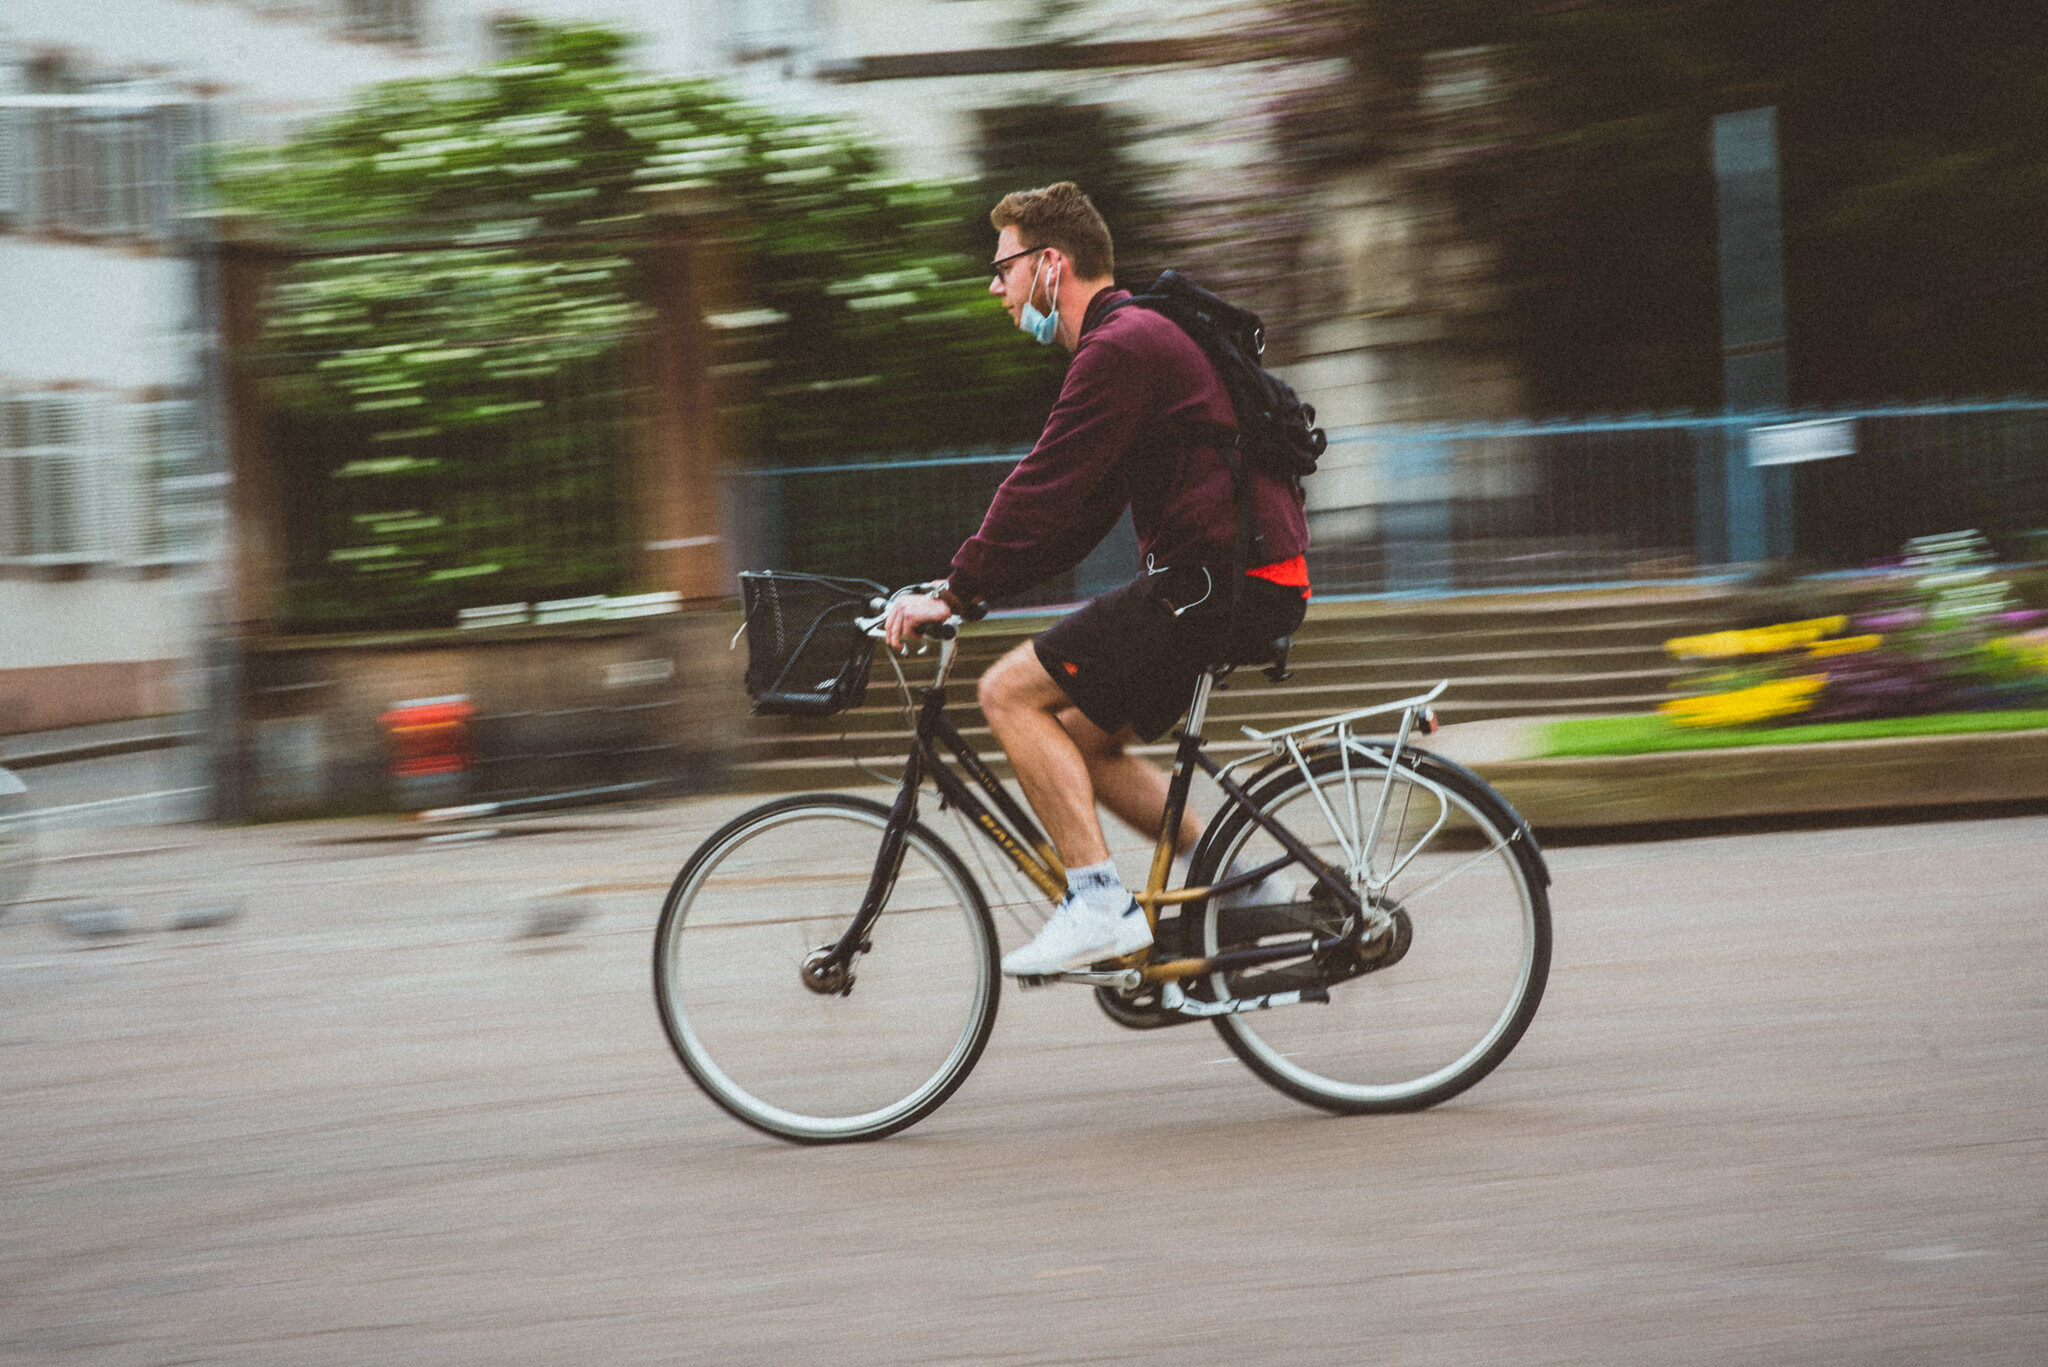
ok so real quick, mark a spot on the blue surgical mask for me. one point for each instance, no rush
(1043, 327)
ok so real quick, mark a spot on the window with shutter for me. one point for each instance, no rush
(104, 164)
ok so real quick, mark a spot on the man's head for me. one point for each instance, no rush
(1053, 253)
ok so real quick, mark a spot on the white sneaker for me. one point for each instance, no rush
(1078, 931)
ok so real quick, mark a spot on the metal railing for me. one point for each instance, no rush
(1422, 508)
(893, 521)
(383, 532)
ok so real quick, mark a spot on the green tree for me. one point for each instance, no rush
(1033, 143)
(863, 291)
(1068, 128)
(1914, 160)
(865, 328)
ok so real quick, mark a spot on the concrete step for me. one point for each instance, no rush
(1493, 613)
(1250, 696)
(1318, 641)
(1532, 652)
(1368, 666)
(1508, 656)
(763, 765)
(1370, 660)
(1642, 633)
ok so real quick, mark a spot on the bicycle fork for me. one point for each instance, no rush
(828, 970)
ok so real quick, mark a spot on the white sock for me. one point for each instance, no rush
(1099, 888)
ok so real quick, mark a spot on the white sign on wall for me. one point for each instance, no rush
(1790, 443)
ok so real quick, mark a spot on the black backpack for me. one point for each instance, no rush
(1276, 431)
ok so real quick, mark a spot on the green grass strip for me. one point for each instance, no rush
(1648, 734)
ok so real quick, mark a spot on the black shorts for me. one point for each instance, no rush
(1125, 659)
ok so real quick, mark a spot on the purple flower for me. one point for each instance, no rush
(1897, 620)
(1881, 683)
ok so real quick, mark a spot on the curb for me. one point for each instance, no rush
(102, 749)
(1618, 791)
(1776, 780)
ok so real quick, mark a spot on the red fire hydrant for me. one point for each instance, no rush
(429, 740)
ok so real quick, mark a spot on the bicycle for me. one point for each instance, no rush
(825, 966)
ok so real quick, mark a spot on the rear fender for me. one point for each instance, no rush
(1425, 762)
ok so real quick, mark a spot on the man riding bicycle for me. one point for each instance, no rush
(1142, 422)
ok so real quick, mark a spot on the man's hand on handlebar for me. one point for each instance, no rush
(908, 613)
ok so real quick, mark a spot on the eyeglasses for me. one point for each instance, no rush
(1002, 275)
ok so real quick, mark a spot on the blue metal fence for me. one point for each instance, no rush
(892, 521)
(1417, 508)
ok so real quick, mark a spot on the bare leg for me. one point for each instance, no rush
(1022, 704)
(1125, 783)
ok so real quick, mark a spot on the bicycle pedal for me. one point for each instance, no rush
(1032, 979)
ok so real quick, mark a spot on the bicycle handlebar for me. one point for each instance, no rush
(937, 631)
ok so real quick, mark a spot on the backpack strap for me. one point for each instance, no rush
(1248, 548)
(1122, 303)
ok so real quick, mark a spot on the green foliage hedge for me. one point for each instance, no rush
(427, 399)
(1642, 735)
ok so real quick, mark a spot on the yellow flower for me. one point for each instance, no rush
(1719, 645)
(1761, 702)
(1843, 645)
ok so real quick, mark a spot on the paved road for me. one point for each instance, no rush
(1784, 1104)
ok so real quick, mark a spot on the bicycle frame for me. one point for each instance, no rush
(1033, 854)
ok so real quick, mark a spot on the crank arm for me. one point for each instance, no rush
(1128, 979)
(1173, 999)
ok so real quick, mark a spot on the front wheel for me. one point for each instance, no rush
(1457, 949)
(823, 1059)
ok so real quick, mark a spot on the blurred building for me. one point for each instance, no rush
(107, 483)
(107, 489)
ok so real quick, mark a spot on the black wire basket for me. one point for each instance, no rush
(805, 655)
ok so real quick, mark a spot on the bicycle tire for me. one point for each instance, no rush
(807, 1066)
(1445, 1005)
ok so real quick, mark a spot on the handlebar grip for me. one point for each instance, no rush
(938, 631)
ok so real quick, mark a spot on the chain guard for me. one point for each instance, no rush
(1141, 1010)
(1138, 1010)
(1336, 965)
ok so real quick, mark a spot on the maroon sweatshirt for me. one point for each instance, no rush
(1137, 424)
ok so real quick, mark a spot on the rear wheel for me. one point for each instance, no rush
(841, 1055)
(1457, 949)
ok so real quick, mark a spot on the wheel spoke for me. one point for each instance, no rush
(1438, 1007)
(835, 1056)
